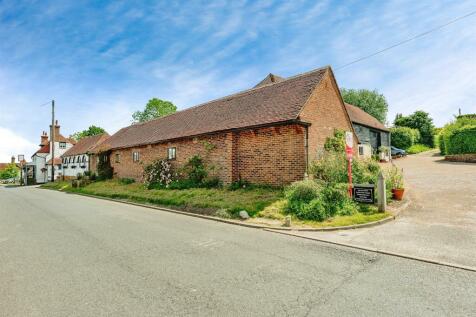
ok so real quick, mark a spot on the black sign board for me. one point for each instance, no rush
(363, 193)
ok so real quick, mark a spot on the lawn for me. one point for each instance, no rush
(418, 148)
(202, 200)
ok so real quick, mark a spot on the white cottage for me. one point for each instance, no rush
(76, 160)
(42, 159)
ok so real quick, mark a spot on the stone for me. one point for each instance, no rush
(243, 214)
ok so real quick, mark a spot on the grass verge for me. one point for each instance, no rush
(418, 148)
(267, 203)
(365, 214)
(200, 200)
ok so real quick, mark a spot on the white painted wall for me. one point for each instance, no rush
(74, 165)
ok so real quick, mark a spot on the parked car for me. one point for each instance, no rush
(397, 152)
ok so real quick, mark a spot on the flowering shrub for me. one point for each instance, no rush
(158, 174)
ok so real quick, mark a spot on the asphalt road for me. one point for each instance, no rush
(440, 221)
(67, 255)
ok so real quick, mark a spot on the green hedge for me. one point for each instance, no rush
(404, 137)
(446, 146)
(462, 140)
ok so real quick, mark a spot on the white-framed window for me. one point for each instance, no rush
(171, 153)
(118, 158)
(84, 158)
(135, 156)
(62, 145)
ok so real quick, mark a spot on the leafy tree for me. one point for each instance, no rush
(154, 109)
(421, 121)
(92, 130)
(371, 101)
(9, 172)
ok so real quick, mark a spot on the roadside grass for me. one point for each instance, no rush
(201, 200)
(365, 214)
(267, 203)
(418, 148)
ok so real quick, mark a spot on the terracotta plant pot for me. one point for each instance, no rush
(398, 193)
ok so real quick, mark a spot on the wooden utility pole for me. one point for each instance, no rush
(52, 134)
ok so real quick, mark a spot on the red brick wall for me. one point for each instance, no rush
(217, 157)
(325, 112)
(274, 155)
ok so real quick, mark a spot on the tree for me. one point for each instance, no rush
(9, 172)
(154, 109)
(371, 101)
(92, 130)
(421, 121)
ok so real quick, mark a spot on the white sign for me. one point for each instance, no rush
(349, 139)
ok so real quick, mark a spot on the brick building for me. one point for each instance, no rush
(267, 134)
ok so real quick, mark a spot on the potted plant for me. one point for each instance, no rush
(396, 179)
(384, 153)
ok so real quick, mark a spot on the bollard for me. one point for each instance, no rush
(382, 193)
(287, 221)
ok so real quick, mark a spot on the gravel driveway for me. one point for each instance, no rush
(439, 223)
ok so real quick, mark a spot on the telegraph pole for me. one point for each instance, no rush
(52, 134)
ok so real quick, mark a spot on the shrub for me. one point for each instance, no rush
(462, 140)
(332, 168)
(92, 176)
(105, 170)
(158, 174)
(441, 143)
(448, 129)
(303, 191)
(239, 184)
(313, 200)
(404, 137)
(336, 143)
(195, 169)
(417, 148)
(127, 181)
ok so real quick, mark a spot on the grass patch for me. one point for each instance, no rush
(251, 200)
(365, 214)
(257, 201)
(418, 148)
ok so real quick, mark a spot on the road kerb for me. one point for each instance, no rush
(375, 250)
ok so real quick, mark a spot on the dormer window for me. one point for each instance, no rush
(62, 145)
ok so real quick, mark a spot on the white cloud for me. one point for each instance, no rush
(13, 144)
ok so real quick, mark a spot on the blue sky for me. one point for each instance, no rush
(103, 60)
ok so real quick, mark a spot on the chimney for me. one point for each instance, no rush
(44, 139)
(13, 159)
(57, 129)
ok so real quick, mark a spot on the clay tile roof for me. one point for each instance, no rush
(270, 79)
(3, 165)
(60, 138)
(85, 145)
(58, 161)
(268, 104)
(359, 116)
(43, 149)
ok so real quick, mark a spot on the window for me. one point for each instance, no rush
(135, 156)
(62, 145)
(361, 150)
(118, 158)
(171, 153)
(84, 158)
